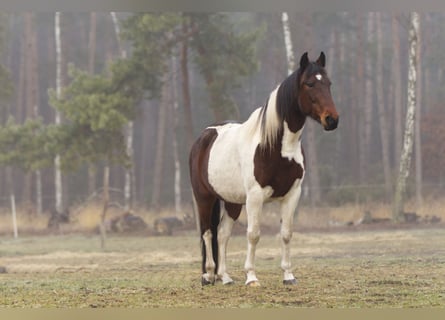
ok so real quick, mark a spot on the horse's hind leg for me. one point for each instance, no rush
(205, 218)
(232, 212)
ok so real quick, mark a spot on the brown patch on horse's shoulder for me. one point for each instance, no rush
(271, 169)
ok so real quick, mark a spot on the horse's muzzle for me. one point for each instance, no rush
(331, 123)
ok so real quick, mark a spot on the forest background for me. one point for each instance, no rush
(124, 96)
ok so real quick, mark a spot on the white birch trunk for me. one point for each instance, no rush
(58, 173)
(288, 43)
(418, 142)
(405, 159)
(14, 216)
(129, 129)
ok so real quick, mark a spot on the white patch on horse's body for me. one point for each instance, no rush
(230, 169)
(291, 145)
(318, 76)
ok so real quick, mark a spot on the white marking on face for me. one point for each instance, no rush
(318, 76)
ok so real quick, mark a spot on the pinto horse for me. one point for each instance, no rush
(259, 160)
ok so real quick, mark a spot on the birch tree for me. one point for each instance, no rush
(405, 159)
(418, 141)
(288, 43)
(129, 130)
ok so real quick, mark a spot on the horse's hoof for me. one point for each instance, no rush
(229, 283)
(205, 282)
(253, 283)
(291, 282)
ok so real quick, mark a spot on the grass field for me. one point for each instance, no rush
(395, 268)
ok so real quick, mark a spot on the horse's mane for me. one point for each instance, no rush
(277, 109)
(281, 103)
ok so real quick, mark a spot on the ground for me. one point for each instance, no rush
(336, 268)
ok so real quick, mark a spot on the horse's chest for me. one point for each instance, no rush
(279, 170)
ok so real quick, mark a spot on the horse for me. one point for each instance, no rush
(260, 160)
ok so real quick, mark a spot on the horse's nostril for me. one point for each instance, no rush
(331, 123)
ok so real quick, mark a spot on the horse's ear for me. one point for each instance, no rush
(304, 61)
(321, 61)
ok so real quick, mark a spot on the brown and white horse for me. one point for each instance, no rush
(257, 161)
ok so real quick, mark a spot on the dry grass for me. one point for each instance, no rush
(86, 218)
(397, 268)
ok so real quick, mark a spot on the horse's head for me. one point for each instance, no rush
(315, 98)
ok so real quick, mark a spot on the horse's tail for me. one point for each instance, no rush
(215, 219)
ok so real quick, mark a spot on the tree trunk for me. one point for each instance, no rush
(29, 98)
(36, 112)
(359, 98)
(288, 43)
(382, 112)
(128, 194)
(405, 160)
(91, 67)
(58, 172)
(144, 151)
(186, 87)
(12, 199)
(419, 106)
(160, 143)
(369, 103)
(397, 81)
(175, 113)
(106, 201)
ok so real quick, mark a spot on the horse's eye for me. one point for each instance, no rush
(310, 84)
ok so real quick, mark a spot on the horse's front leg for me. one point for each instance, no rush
(288, 207)
(254, 206)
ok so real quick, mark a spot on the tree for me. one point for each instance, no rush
(129, 130)
(91, 69)
(27, 147)
(405, 159)
(186, 99)
(382, 110)
(59, 61)
(97, 108)
(397, 80)
(417, 121)
(224, 58)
